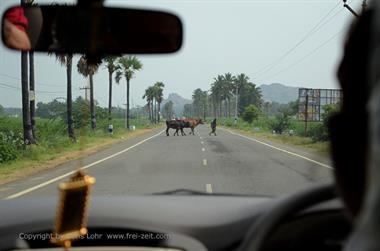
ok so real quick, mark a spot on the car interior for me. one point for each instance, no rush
(340, 216)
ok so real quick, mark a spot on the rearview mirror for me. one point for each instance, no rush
(90, 30)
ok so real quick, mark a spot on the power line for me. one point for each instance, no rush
(19, 88)
(16, 78)
(317, 27)
(307, 55)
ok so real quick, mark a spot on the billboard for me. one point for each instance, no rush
(312, 102)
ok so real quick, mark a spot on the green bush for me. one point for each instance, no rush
(318, 133)
(251, 113)
(7, 152)
(281, 123)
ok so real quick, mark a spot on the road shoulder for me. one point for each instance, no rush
(33, 167)
(306, 152)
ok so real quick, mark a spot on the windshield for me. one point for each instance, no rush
(242, 108)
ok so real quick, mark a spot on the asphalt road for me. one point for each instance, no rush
(226, 163)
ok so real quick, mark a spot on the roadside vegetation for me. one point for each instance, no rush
(53, 141)
(47, 131)
(238, 103)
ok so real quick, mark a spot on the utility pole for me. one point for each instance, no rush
(236, 105)
(306, 112)
(32, 95)
(86, 88)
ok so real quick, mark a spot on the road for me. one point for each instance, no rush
(226, 163)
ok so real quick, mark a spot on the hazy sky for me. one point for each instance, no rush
(219, 37)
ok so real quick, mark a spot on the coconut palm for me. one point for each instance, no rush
(32, 104)
(67, 61)
(27, 127)
(127, 66)
(228, 83)
(88, 70)
(159, 97)
(111, 67)
(240, 81)
(217, 92)
(200, 102)
(149, 95)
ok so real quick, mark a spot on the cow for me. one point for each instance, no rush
(192, 123)
(178, 125)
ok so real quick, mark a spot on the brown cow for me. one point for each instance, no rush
(192, 123)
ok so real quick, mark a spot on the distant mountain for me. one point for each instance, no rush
(178, 103)
(279, 93)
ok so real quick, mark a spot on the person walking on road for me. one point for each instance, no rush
(213, 127)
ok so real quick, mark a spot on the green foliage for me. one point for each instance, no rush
(11, 141)
(7, 152)
(249, 94)
(127, 66)
(282, 121)
(2, 113)
(275, 109)
(52, 136)
(251, 113)
(200, 102)
(321, 132)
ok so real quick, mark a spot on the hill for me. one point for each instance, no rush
(279, 93)
(178, 102)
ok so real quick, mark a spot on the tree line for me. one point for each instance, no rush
(154, 96)
(228, 96)
(119, 68)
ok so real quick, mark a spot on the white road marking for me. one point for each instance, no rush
(282, 150)
(31, 189)
(203, 149)
(205, 162)
(208, 188)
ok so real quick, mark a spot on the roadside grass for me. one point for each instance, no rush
(261, 129)
(54, 147)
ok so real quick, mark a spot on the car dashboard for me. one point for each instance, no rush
(172, 222)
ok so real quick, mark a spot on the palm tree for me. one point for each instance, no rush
(149, 95)
(32, 97)
(154, 104)
(217, 92)
(127, 67)
(227, 91)
(200, 102)
(111, 67)
(240, 81)
(88, 70)
(32, 103)
(27, 127)
(159, 96)
(67, 61)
